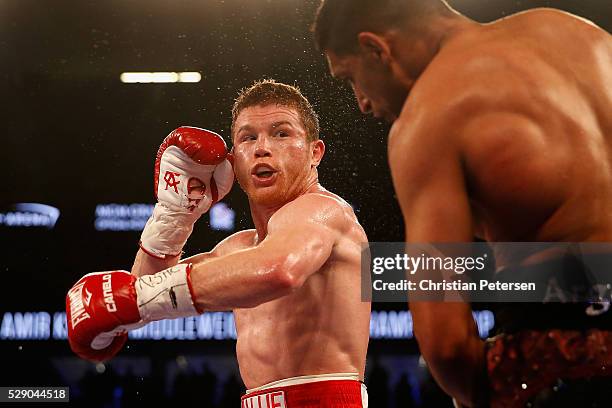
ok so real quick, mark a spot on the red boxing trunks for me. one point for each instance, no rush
(554, 354)
(324, 391)
(522, 364)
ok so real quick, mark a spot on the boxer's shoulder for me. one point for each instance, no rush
(507, 64)
(545, 18)
(459, 90)
(461, 82)
(320, 207)
(485, 65)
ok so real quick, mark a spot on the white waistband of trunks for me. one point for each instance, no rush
(304, 379)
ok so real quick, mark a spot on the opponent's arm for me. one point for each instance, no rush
(428, 178)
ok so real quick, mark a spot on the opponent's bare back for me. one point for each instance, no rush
(523, 106)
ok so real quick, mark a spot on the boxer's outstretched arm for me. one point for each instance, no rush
(428, 179)
(300, 239)
(145, 264)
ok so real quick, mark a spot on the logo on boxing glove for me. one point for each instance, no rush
(77, 308)
(171, 181)
(88, 296)
(107, 292)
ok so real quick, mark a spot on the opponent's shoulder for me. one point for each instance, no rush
(460, 82)
(464, 81)
(450, 96)
(543, 16)
(508, 63)
(235, 242)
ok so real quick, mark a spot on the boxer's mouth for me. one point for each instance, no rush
(263, 171)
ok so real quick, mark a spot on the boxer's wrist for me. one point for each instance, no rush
(167, 231)
(166, 294)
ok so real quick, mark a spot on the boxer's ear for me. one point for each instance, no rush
(374, 45)
(318, 150)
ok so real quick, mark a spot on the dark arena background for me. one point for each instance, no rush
(78, 146)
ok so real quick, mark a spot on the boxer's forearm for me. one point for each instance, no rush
(463, 375)
(145, 264)
(254, 276)
(238, 282)
(449, 341)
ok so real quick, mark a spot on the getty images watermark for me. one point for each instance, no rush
(488, 272)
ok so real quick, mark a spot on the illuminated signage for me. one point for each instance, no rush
(133, 217)
(398, 324)
(42, 325)
(207, 326)
(27, 326)
(122, 217)
(30, 215)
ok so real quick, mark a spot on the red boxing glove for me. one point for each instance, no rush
(191, 174)
(101, 307)
(96, 308)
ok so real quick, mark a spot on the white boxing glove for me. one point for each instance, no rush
(191, 174)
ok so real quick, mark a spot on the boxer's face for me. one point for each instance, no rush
(374, 84)
(273, 160)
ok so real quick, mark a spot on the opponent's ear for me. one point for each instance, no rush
(374, 45)
(318, 150)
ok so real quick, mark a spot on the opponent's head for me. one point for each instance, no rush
(275, 132)
(379, 47)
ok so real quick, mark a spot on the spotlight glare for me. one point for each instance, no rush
(159, 77)
(162, 77)
(189, 77)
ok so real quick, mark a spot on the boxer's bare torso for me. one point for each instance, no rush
(322, 327)
(511, 122)
(294, 281)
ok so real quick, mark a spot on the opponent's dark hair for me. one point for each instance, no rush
(268, 91)
(338, 22)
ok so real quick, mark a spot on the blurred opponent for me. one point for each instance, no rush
(501, 131)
